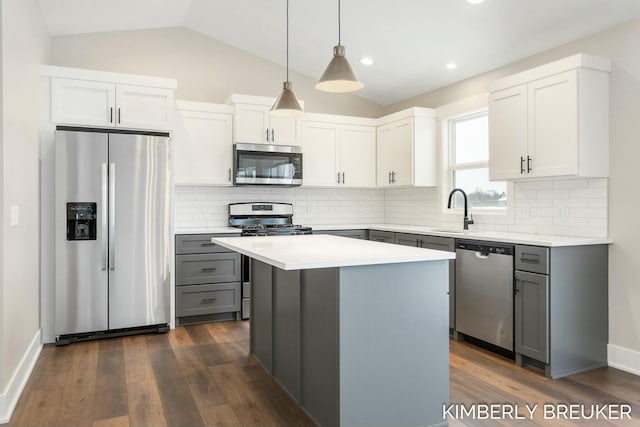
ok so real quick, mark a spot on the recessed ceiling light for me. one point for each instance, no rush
(451, 66)
(366, 60)
(475, 1)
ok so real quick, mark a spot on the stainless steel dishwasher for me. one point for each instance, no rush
(484, 292)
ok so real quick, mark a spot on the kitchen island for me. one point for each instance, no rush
(355, 331)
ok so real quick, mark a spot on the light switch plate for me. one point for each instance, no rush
(15, 215)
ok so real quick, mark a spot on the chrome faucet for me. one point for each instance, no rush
(467, 221)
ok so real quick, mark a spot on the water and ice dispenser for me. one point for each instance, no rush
(81, 221)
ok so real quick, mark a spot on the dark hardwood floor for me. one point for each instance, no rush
(201, 375)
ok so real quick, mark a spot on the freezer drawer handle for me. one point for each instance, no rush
(112, 216)
(206, 269)
(105, 214)
(207, 300)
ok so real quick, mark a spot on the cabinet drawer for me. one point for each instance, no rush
(532, 258)
(207, 299)
(381, 236)
(199, 243)
(439, 243)
(207, 268)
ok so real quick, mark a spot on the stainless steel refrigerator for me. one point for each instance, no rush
(112, 232)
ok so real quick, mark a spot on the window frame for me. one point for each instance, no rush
(447, 115)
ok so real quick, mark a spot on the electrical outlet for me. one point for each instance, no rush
(15, 215)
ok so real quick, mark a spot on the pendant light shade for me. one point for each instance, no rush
(339, 76)
(287, 104)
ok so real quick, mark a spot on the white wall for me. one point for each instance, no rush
(25, 45)
(620, 44)
(206, 70)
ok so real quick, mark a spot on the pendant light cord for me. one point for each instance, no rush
(338, 22)
(287, 40)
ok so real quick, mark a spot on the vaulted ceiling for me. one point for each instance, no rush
(409, 41)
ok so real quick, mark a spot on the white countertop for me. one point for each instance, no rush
(207, 230)
(493, 236)
(324, 251)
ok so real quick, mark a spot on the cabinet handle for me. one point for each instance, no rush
(267, 134)
(535, 259)
(207, 300)
(273, 135)
(521, 165)
(207, 269)
(343, 177)
(529, 164)
(119, 115)
(110, 114)
(208, 244)
(417, 243)
(229, 174)
(338, 177)
(393, 177)
(389, 177)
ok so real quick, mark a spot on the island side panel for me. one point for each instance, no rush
(394, 344)
(319, 345)
(286, 330)
(261, 327)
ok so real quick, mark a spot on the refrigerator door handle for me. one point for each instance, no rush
(112, 216)
(105, 215)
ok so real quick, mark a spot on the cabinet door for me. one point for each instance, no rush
(140, 107)
(446, 244)
(358, 156)
(532, 315)
(508, 133)
(283, 130)
(319, 147)
(251, 124)
(81, 102)
(202, 148)
(553, 125)
(384, 144)
(402, 136)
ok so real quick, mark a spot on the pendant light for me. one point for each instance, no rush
(339, 76)
(286, 104)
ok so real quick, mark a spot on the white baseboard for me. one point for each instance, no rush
(623, 358)
(9, 397)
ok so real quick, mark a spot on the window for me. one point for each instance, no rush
(468, 143)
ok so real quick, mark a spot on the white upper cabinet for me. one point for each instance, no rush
(101, 99)
(407, 149)
(140, 107)
(254, 124)
(202, 145)
(551, 121)
(338, 151)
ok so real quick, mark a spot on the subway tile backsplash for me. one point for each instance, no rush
(570, 207)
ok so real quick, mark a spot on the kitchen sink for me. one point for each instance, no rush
(447, 230)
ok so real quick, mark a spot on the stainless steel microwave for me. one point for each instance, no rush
(261, 164)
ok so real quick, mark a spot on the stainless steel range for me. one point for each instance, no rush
(261, 219)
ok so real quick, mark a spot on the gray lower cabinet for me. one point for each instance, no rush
(207, 279)
(561, 308)
(382, 236)
(354, 234)
(532, 315)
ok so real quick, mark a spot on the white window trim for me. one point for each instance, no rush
(467, 106)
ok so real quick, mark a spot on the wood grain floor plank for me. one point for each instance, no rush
(179, 337)
(122, 421)
(145, 406)
(111, 382)
(179, 407)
